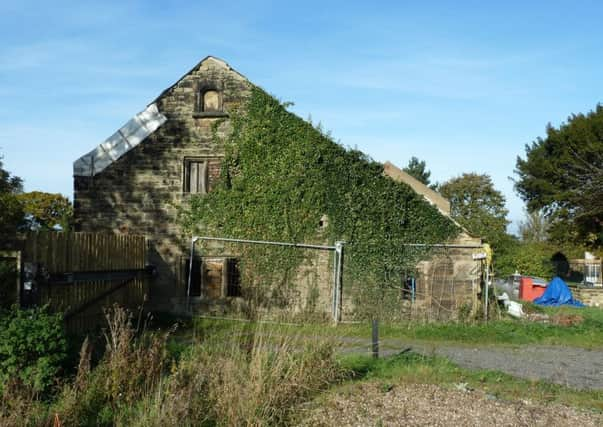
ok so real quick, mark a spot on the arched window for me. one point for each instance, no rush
(211, 101)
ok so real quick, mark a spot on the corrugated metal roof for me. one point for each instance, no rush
(127, 137)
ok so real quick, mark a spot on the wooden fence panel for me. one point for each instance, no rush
(95, 256)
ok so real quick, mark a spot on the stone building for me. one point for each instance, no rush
(135, 181)
(451, 277)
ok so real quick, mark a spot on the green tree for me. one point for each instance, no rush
(46, 210)
(562, 174)
(535, 227)
(477, 205)
(528, 258)
(11, 209)
(418, 170)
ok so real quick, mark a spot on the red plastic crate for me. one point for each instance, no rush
(528, 291)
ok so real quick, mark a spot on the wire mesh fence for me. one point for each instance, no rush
(295, 281)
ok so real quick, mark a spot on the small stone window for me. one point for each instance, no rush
(209, 102)
(196, 176)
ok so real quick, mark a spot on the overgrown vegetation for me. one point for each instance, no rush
(532, 258)
(244, 377)
(282, 177)
(33, 348)
(8, 286)
(252, 373)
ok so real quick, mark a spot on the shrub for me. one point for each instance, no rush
(33, 348)
(235, 376)
(8, 288)
(530, 259)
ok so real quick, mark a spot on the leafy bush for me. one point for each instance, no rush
(32, 348)
(8, 287)
(530, 259)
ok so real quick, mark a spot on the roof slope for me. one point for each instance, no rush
(132, 133)
(127, 137)
(433, 197)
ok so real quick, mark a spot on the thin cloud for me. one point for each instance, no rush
(440, 77)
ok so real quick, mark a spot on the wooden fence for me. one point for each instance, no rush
(79, 274)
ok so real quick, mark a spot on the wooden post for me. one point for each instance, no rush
(375, 339)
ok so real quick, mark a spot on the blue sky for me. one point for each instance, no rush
(463, 85)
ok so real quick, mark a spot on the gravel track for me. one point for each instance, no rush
(574, 367)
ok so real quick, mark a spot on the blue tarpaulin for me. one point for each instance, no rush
(557, 293)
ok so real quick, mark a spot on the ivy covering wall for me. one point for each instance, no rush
(281, 176)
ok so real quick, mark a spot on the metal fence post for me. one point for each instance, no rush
(339, 280)
(334, 302)
(486, 296)
(190, 274)
(375, 339)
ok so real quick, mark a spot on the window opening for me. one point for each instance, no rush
(211, 101)
(196, 177)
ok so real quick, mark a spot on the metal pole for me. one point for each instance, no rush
(190, 273)
(334, 302)
(487, 276)
(441, 245)
(375, 339)
(267, 242)
(339, 282)
(413, 283)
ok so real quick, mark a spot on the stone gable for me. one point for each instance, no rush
(140, 192)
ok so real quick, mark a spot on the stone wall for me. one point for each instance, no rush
(140, 192)
(593, 297)
(449, 280)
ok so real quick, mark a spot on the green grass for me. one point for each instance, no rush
(417, 369)
(587, 334)
(507, 331)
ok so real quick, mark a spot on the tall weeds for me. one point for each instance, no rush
(240, 376)
(247, 377)
(131, 368)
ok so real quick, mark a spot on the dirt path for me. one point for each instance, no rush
(569, 366)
